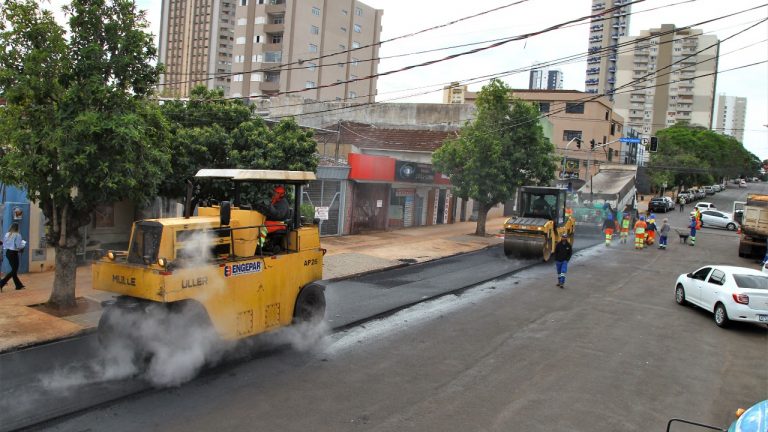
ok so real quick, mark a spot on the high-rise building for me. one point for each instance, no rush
(668, 76)
(545, 79)
(730, 116)
(604, 34)
(257, 48)
(195, 45)
(320, 42)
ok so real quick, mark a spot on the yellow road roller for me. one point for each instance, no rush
(540, 222)
(227, 266)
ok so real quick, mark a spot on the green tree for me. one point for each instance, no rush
(77, 127)
(501, 149)
(213, 132)
(693, 155)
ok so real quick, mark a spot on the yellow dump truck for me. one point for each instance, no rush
(754, 226)
(215, 266)
(540, 223)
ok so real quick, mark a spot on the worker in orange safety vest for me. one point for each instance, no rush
(640, 227)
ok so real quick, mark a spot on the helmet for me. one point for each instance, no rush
(653, 216)
(642, 218)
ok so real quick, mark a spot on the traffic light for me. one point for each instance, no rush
(654, 144)
(578, 143)
(592, 144)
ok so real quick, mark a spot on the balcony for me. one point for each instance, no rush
(592, 71)
(593, 60)
(596, 38)
(598, 6)
(614, 35)
(275, 7)
(595, 49)
(269, 86)
(274, 28)
(593, 81)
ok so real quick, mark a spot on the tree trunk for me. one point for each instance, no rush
(482, 215)
(63, 295)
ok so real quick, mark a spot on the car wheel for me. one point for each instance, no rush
(680, 294)
(721, 316)
(731, 227)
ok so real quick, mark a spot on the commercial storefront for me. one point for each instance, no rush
(388, 193)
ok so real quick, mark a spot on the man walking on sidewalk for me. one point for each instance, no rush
(563, 252)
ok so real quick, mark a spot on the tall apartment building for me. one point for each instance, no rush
(196, 39)
(670, 59)
(730, 116)
(545, 79)
(604, 34)
(279, 44)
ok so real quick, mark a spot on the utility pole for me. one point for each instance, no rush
(338, 141)
(565, 154)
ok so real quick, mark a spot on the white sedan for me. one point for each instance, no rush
(731, 293)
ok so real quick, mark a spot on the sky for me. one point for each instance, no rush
(402, 17)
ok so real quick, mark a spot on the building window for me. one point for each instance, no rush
(273, 57)
(240, 40)
(316, 11)
(357, 28)
(237, 78)
(344, 29)
(544, 107)
(239, 58)
(352, 95)
(574, 107)
(312, 48)
(309, 84)
(277, 19)
(355, 44)
(355, 61)
(314, 30)
(243, 2)
(277, 38)
(272, 77)
(242, 21)
(359, 11)
(258, 58)
(260, 20)
(571, 134)
(256, 76)
(311, 66)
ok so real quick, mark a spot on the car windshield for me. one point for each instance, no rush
(751, 281)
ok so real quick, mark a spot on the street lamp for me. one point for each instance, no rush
(565, 154)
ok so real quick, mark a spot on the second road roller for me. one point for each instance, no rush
(540, 223)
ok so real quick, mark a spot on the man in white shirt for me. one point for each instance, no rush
(13, 245)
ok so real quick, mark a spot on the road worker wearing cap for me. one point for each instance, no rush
(563, 252)
(625, 221)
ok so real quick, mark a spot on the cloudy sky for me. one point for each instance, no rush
(406, 16)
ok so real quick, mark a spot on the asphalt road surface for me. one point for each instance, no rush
(611, 352)
(53, 380)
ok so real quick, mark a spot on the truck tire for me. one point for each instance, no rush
(310, 304)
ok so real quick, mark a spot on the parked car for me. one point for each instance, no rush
(731, 293)
(705, 206)
(742, 183)
(699, 194)
(661, 204)
(716, 218)
(716, 187)
(708, 190)
(686, 195)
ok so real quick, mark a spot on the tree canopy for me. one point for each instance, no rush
(210, 131)
(77, 128)
(693, 155)
(501, 149)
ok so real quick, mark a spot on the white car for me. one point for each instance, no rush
(731, 293)
(705, 206)
(716, 218)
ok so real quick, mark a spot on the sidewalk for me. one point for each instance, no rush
(24, 321)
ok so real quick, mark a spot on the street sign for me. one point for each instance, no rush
(645, 141)
(321, 213)
(630, 140)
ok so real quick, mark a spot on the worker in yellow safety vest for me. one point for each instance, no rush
(625, 227)
(640, 233)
